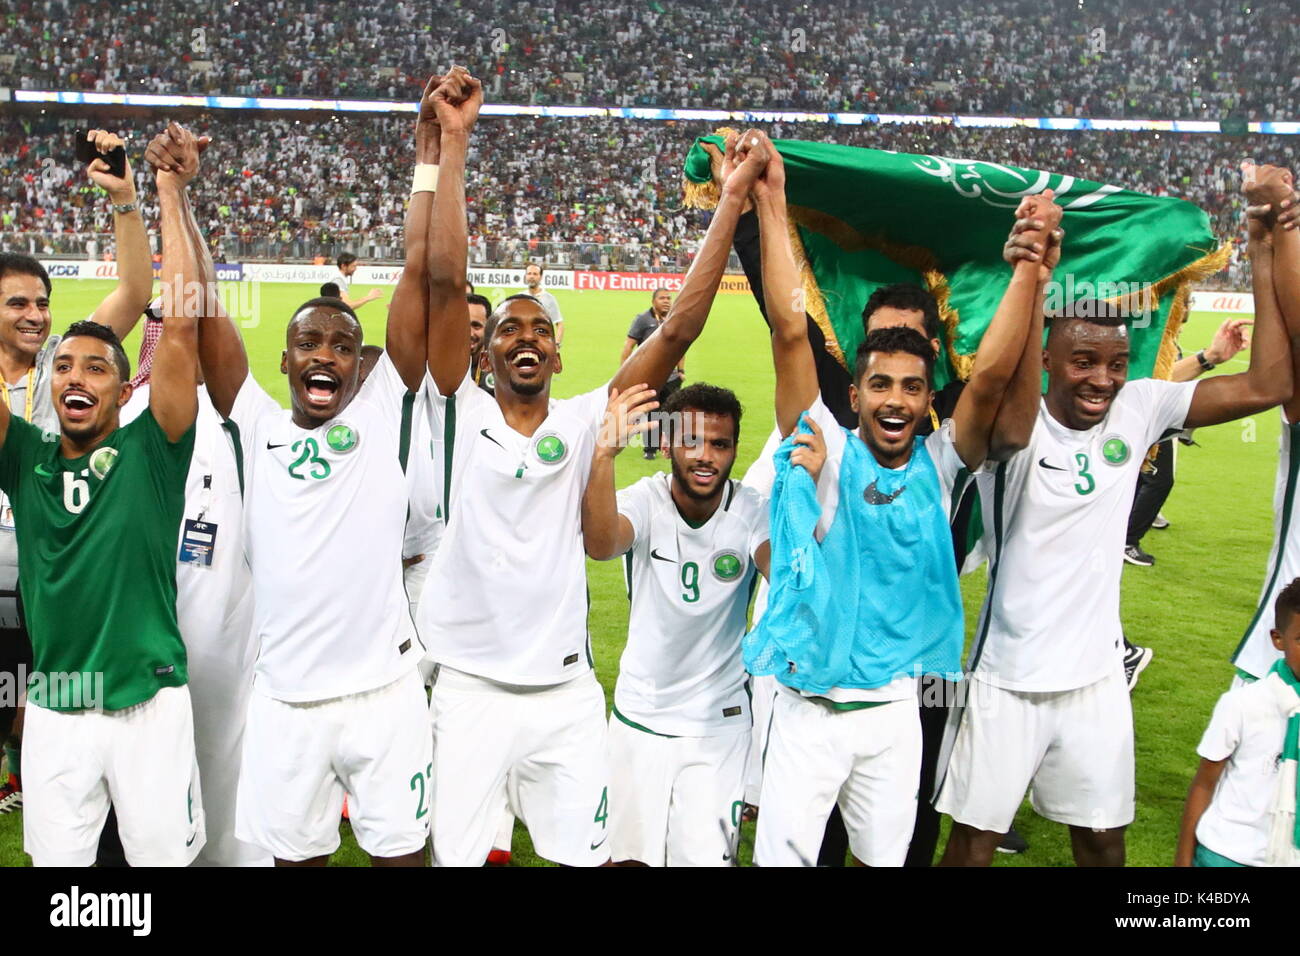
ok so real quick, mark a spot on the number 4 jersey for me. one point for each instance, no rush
(1055, 515)
(681, 672)
(324, 518)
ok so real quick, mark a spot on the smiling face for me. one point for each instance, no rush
(521, 351)
(1087, 365)
(891, 399)
(477, 322)
(24, 314)
(87, 388)
(321, 358)
(702, 467)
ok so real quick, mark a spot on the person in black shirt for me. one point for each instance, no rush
(643, 326)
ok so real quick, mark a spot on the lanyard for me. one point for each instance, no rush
(31, 394)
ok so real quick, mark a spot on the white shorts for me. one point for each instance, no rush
(675, 801)
(300, 759)
(140, 758)
(537, 751)
(1073, 747)
(867, 761)
(763, 694)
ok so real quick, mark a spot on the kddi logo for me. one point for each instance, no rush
(73, 909)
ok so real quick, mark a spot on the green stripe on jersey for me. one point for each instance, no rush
(233, 430)
(448, 448)
(404, 440)
(645, 730)
(999, 494)
(1288, 509)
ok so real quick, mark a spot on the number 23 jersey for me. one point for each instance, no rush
(324, 518)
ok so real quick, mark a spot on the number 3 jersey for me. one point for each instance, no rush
(1055, 516)
(681, 673)
(506, 595)
(97, 540)
(324, 518)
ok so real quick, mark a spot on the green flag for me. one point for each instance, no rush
(869, 217)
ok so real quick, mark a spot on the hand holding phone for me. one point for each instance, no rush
(104, 155)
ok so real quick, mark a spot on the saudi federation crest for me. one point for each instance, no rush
(727, 565)
(102, 461)
(342, 437)
(1114, 449)
(550, 448)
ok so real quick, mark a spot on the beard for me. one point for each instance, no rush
(682, 475)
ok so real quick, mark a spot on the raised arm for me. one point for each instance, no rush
(222, 357)
(796, 367)
(1283, 216)
(1268, 379)
(408, 314)
(456, 103)
(995, 415)
(1231, 337)
(122, 307)
(664, 349)
(174, 379)
(606, 533)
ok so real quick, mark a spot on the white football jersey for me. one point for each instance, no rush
(681, 673)
(324, 516)
(1256, 653)
(1055, 517)
(506, 595)
(424, 467)
(213, 601)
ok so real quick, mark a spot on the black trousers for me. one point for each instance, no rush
(1153, 490)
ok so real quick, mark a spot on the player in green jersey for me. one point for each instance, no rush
(97, 509)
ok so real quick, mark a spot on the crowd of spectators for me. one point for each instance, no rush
(1201, 59)
(567, 190)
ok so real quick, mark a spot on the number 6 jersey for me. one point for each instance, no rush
(324, 518)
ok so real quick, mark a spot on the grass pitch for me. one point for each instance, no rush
(1191, 607)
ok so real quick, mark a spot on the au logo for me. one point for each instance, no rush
(342, 437)
(1114, 449)
(550, 448)
(727, 565)
(102, 461)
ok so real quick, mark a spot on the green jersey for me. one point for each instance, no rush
(97, 544)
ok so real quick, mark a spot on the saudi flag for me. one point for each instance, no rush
(863, 218)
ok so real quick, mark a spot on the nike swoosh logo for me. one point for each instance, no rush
(654, 553)
(190, 841)
(484, 433)
(597, 846)
(270, 447)
(874, 496)
(44, 471)
(1042, 463)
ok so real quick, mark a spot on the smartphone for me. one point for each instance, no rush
(87, 153)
